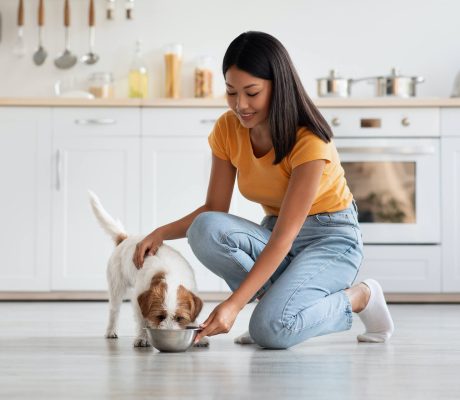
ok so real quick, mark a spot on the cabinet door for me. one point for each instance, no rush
(109, 167)
(175, 173)
(450, 200)
(25, 148)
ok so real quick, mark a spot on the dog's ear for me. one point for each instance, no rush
(189, 302)
(144, 303)
(154, 296)
(197, 306)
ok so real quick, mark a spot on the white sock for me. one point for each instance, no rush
(245, 338)
(376, 316)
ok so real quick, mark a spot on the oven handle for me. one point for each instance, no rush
(403, 150)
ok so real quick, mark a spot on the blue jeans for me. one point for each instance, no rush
(305, 296)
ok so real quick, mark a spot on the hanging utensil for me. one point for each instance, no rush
(66, 59)
(91, 57)
(110, 9)
(41, 54)
(19, 48)
(129, 6)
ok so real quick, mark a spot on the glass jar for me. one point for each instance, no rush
(203, 77)
(101, 85)
(173, 64)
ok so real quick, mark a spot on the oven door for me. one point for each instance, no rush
(396, 185)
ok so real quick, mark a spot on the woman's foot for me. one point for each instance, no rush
(373, 311)
(359, 296)
(245, 338)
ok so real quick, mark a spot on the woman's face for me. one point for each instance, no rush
(249, 97)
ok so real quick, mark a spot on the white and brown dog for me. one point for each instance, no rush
(163, 289)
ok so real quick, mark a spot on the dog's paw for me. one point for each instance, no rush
(141, 342)
(111, 335)
(204, 342)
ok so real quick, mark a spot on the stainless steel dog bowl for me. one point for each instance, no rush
(172, 340)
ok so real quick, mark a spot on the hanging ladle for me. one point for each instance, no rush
(91, 57)
(41, 54)
(66, 59)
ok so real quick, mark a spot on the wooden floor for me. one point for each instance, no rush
(56, 350)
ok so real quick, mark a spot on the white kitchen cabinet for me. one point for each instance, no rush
(175, 174)
(25, 148)
(91, 155)
(450, 156)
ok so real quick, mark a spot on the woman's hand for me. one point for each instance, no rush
(147, 246)
(220, 320)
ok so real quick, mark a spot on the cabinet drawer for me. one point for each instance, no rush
(179, 121)
(89, 121)
(375, 122)
(403, 269)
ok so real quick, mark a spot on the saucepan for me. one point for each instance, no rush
(336, 86)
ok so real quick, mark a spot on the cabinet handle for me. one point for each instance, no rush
(335, 121)
(96, 121)
(405, 121)
(413, 150)
(58, 170)
(208, 121)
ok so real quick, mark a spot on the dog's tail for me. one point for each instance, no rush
(114, 228)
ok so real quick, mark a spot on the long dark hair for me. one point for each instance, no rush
(263, 56)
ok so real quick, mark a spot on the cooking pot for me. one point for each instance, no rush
(334, 85)
(397, 85)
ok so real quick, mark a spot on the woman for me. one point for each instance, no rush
(301, 261)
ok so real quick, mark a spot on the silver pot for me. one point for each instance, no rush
(334, 85)
(397, 85)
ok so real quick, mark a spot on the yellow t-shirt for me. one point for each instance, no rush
(261, 181)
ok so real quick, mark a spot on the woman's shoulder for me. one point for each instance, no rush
(305, 135)
(228, 120)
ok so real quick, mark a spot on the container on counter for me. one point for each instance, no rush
(173, 64)
(138, 79)
(100, 85)
(203, 77)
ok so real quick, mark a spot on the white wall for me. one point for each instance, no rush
(359, 37)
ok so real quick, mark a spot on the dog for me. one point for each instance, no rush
(164, 289)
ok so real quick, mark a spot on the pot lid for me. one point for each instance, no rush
(395, 73)
(333, 75)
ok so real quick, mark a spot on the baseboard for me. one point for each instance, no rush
(211, 296)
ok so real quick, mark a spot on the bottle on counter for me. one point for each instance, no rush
(173, 63)
(203, 77)
(138, 79)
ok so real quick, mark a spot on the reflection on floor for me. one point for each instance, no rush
(56, 350)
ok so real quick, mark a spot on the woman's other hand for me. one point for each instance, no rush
(220, 320)
(147, 247)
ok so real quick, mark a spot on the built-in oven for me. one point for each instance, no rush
(391, 158)
(395, 183)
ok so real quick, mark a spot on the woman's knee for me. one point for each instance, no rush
(268, 330)
(203, 227)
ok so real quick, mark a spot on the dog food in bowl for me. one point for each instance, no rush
(172, 340)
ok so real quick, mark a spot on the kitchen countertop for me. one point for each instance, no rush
(220, 102)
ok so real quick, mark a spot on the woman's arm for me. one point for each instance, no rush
(220, 189)
(297, 202)
(299, 197)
